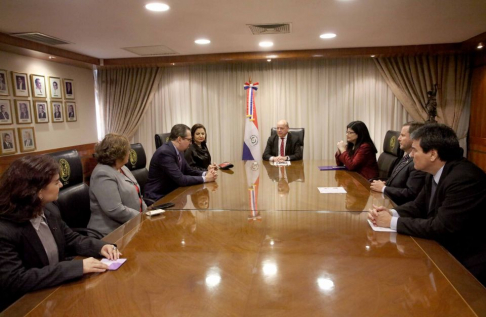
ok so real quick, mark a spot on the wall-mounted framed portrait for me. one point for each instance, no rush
(8, 142)
(5, 112)
(20, 84)
(38, 85)
(40, 110)
(27, 139)
(57, 112)
(71, 113)
(3, 83)
(22, 109)
(68, 88)
(55, 87)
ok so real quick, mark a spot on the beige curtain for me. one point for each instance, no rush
(410, 77)
(123, 96)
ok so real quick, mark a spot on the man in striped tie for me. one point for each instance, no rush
(405, 182)
(281, 146)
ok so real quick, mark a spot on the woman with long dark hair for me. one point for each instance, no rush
(359, 152)
(197, 155)
(33, 238)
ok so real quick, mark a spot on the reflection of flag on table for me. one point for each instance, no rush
(251, 145)
(252, 169)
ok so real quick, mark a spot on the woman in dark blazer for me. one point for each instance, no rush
(33, 238)
(359, 153)
(197, 155)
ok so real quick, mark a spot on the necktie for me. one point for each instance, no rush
(400, 165)
(179, 160)
(47, 239)
(282, 152)
(432, 193)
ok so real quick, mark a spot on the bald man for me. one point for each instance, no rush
(281, 147)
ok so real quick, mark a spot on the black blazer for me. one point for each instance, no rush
(292, 148)
(405, 185)
(198, 157)
(165, 175)
(24, 266)
(457, 216)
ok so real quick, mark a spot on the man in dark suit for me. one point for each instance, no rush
(405, 182)
(281, 147)
(3, 114)
(7, 142)
(451, 207)
(169, 169)
(42, 113)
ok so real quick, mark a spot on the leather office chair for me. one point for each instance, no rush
(73, 200)
(390, 156)
(297, 133)
(160, 139)
(136, 164)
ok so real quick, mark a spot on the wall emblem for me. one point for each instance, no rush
(393, 142)
(65, 171)
(133, 158)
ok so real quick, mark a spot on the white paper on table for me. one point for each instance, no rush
(284, 163)
(375, 228)
(331, 190)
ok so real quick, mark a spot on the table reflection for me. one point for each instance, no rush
(356, 194)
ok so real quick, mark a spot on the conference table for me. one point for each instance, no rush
(263, 241)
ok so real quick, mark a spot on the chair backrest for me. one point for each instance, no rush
(297, 133)
(160, 139)
(136, 164)
(73, 200)
(391, 154)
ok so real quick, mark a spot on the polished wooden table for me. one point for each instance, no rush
(274, 261)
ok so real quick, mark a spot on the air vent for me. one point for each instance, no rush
(280, 28)
(158, 50)
(40, 38)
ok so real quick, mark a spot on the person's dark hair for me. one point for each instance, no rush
(179, 130)
(441, 138)
(412, 126)
(20, 185)
(363, 137)
(193, 132)
(112, 148)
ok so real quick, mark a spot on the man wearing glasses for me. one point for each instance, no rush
(168, 168)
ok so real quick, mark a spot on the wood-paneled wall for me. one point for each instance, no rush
(477, 125)
(85, 152)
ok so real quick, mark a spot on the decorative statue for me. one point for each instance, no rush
(431, 105)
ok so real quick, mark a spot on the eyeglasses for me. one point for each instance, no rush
(188, 139)
(350, 132)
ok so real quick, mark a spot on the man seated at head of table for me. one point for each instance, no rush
(451, 206)
(33, 238)
(405, 182)
(281, 146)
(169, 169)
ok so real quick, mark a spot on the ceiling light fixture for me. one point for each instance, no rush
(272, 56)
(373, 55)
(266, 44)
(202, 41)
(480, 46)
(316, 55)
(157, 7)
(327, 36)
(269, 60)
(51, 57)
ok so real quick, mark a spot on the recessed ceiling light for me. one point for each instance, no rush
(480, 46)
(316, 55)
(327, 36)
(173, 64)
(373, 55)
(202, 41)
(157, 7)
(266, 44)
(269, 60)
(272, 56)
(51, 57)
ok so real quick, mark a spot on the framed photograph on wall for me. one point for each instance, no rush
(8, 142)
(38, 84)
(20, 84)
(3, 83)
(40, 110)
(71, 113)
(57, 112)
(22, 109)
(5, 112)
(27, 139)
(55, 87)
(68, 88)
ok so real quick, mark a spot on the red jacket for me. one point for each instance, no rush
(363, 161)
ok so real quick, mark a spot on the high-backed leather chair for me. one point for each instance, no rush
(136, 164)
(391, 154)
(160, 139)
(297, 133)
(73, 200)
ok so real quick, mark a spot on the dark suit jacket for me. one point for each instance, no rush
(292, 148)
(42, 115)
(8, 145)
(4, 116)
(165, 175)
(363, 161)
(405, 185)
(457, 215)
(24, 266)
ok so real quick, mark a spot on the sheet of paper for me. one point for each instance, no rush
(113, 265)
(285, 163)
(331, 190)
(375, 228)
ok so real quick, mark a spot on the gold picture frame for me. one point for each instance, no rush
(23, 111)
(40, 111)
(8, 145)
(38, 86)
(4, 83)
(68, 87)
(27, 140)
(57, 112)
(20, 84)
(55, 87)
(6, 116)
(71, 112)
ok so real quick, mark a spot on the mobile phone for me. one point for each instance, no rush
(164, 206)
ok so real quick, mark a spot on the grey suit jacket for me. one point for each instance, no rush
(405, 185)
(113, 198)
(24, 266)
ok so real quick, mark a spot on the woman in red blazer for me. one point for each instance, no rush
(359, 154)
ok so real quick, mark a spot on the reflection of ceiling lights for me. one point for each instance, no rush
(266, 44)
(480, 46)
(327, 36)
(213, 279)
(269, 60)
(269, 269)
(202, 41)
(373, 55)
(157, 7)
(325, 284)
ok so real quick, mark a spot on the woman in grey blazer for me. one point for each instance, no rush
(114, 192)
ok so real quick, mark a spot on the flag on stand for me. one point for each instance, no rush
(251, 143)
(252, 169)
